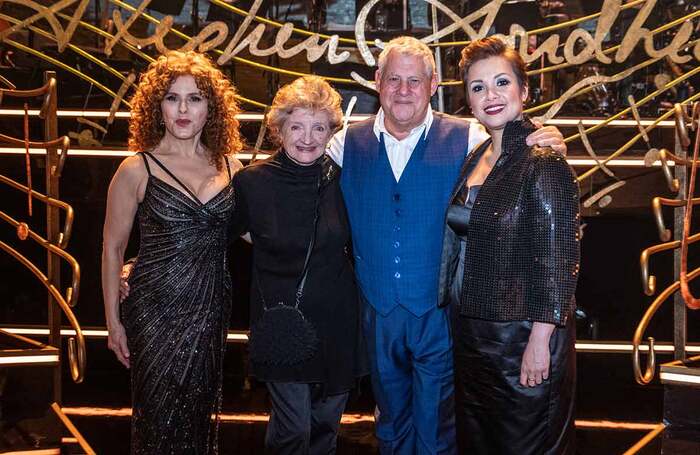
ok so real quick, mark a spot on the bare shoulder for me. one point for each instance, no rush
(133, 163)
(131, 176)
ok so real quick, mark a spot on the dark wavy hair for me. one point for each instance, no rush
(492, 47)
(221, 134)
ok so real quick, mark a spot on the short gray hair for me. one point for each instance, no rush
(407, 45)
(307, 92)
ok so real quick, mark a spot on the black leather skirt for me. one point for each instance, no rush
(495, 414)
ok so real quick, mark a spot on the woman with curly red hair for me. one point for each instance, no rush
(171, 329)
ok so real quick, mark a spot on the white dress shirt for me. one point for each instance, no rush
(399, 151)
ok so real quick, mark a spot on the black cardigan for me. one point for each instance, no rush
(275, 202)
(522, 248)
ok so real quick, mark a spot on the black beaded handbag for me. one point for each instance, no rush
(282, 335)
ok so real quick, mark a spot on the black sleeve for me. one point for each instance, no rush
(553, 230)
(240, 218)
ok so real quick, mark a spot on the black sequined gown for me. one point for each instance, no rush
(176, 318)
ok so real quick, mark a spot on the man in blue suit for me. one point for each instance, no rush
(399, 169)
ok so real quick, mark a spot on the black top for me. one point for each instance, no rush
(460, 209)
(276, 201)
(521, 259)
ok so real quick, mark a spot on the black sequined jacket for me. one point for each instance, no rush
(522, 244)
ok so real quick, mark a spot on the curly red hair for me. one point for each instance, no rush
(221, 134)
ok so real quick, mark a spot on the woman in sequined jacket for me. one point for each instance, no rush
(510, 267)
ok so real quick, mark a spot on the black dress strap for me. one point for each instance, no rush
(145, 161)
(165, 169)
(228, 167)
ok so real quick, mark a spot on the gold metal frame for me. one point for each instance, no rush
(55, 239)
(76, 345)
(648, 375)
(63, 236)
(82, 442)
(639, 445)
(72, 292)
(649, 281)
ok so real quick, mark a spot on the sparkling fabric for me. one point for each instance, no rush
(176, 318)
(522, 251)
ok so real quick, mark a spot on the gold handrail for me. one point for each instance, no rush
(76, 345)
(656, 205)
(63, 237)
(649, 281)
(74, 289)
(648, 375)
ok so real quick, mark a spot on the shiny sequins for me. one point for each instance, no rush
(176, 320)
(522, 248)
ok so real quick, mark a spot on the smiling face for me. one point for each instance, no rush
(305, 134)
(495, 95)
(184, 109)
(405, 86)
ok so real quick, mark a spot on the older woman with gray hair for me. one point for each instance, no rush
(305, 316)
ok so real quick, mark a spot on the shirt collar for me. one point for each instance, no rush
(380, 128)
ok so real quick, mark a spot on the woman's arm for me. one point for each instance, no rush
(552, 211)
(534, 367)
(239, 222)
(553, 219)
(123, 196)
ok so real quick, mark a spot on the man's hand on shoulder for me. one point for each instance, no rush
(548, 136)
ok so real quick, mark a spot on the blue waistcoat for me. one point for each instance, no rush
(397, 227)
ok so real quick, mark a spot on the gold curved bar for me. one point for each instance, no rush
(27, 93)
(656, 204)
(63, 237)
(443, 44)
(680, 117)
(72, 47)
(264, 20)
(589, 88)
(7, 82)
(653, 125)
(76, 345)
(74, 289)
(51, 93)
(648, 375)
(58, 142)
(673, 183)
(62, 65)
(56, 172)
(680, 160)
(649, 281)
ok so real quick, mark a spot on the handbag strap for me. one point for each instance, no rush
(305, 269)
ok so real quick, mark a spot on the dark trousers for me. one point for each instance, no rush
(302, 421)
(412, 378)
